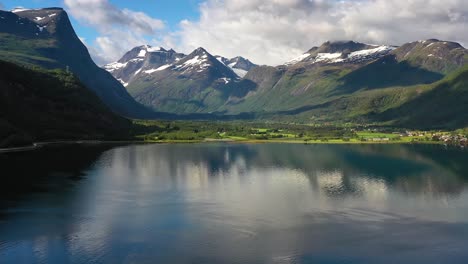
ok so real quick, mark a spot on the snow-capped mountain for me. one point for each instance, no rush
(159, 78)
(342, 52)
(200, 62)
(202, 83)
(238, 64)
(141, 59)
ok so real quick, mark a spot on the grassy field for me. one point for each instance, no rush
(198, 131)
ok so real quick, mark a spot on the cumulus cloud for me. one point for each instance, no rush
(272, 32)
(120, 29)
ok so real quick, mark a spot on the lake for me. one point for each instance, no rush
(235, 203)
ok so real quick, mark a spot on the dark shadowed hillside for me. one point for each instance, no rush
(38, 105)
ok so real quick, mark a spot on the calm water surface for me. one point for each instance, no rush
(233, 203)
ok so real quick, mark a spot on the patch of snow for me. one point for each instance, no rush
(114, 66)
(332, 57)
(154, 49)
(372, 53)
(298, 59)
(430, 45)
(241, 73)
(158, 69)
(226, 80)
(430, 55)
(142, 53)
(137, 72)
(197, 63)
(39, 18)
(41, 28)
(136, 60)
(52, 15)
(369, 52)
(20, 9)
(220, 59)
(164, 67)
(122, 82)
(194, 61)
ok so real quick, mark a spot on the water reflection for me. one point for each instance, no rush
(230, 203)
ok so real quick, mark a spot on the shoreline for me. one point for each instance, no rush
(39, 145)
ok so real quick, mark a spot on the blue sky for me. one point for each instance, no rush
(264, 31)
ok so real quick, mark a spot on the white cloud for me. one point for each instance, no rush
(275, 31)
(120, 29)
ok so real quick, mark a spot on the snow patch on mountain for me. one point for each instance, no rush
(21, 9)
(122, 82)
(342, 57)
(142, 53)
(115, 66)
(155, 49)
(199, 62)
(158, 69)
(238, 65)
(226, 80)
(298, 59)
(370, 52)
(239, 72)
(330, 57)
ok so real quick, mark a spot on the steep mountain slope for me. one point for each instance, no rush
(36, 104)
(439, 105)
(45, 37)
(444, 105)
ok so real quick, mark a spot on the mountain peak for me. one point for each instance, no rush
(433, 54)
(150, 48)
(448, 44)
(342, 46)
(200, 51)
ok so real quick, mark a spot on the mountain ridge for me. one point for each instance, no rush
(44, 38)
(325, 74)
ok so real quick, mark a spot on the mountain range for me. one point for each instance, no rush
(168, 81)
(421, 84)
(322, 85)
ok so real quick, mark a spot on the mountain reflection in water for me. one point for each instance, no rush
(235, 203)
